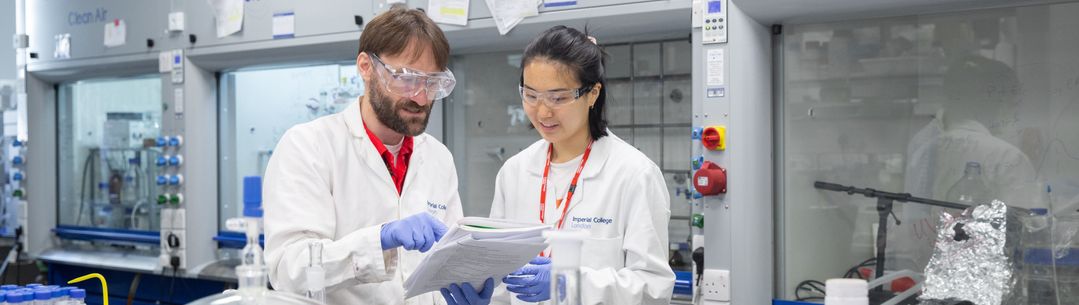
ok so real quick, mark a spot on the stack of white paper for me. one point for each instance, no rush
(474, 250)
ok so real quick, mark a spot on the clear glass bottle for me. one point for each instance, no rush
(971, 188)
(566, 265)
(316, 275)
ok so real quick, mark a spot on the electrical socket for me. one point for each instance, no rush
(716, 285)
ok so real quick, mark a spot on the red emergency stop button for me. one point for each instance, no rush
(711, 179)
(715, 137)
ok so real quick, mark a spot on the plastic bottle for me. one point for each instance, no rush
(846, 292)
(129, 192)
(65, 295)
(42, 296)
(971, 188)
(3, 297)
(16, 297)
(252, 252)
(566, 265)
(78, 297)
(58, 295)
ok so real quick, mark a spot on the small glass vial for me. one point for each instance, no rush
(566, 265)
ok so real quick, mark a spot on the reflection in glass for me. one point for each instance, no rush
(108, 158)
(908, 104)
(259, 105)
(648, 106)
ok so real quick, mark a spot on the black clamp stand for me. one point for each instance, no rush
(885, 203)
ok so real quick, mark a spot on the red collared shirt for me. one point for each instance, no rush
(397, 169)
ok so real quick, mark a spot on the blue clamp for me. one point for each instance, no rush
(174, 180)
(161, 141)
(174, 141)
(16, 160)
(697, 195)
(697, 162)
(161, 180)
(17, 176)
(16, 143)
(174, 161)
(161, 161)
(696, 134)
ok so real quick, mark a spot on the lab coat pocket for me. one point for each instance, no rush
(600, 253)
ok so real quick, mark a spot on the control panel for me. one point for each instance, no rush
(714, 21)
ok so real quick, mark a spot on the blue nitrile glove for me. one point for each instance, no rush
(531, 283)
(464, 294)
(416, 232)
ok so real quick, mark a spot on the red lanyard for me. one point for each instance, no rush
(569, 193)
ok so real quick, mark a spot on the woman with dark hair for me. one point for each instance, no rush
(580, 176)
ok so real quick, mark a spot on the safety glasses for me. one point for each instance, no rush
(553, 99)
(410, 83)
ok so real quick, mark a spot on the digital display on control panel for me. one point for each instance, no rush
(714, 7)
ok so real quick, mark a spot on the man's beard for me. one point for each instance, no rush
(386, 109)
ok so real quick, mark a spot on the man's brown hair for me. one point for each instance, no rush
(390, 33)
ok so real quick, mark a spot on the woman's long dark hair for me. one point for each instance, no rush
(576, 51)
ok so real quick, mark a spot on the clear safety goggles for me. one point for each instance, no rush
(409, 83)
(553, 99)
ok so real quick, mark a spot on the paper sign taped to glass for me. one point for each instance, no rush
(476, 249)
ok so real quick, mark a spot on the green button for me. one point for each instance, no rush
(698, 221)
(162, 199)
(17, 193)
(175, 199)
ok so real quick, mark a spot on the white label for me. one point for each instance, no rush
(115, 33)
(176, 22)
(63, 46)
(448, 11)
(715, 67)
(702, 180)
(284, 25)
(178, 100)
(164, 61)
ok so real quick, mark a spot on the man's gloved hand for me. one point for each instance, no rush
(464, 294)
(416, 232)
(531, 283)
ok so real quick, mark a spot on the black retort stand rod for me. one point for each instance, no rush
(885, 204)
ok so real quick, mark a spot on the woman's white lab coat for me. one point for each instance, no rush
(621, 200)
(326, 182)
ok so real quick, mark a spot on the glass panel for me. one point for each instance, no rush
(676, 145)
(488, 123)
(619, 102)
(907, 105)
(619, 61)
(677, 102)
(258, 106)
(646, 60)
(626, 134)
(675, 54)
(647, 101)
(648, 141)
(106, 134)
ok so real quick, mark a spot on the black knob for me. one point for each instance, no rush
(149, 43)
(33, 55)
(192, 38)
(358, 19)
